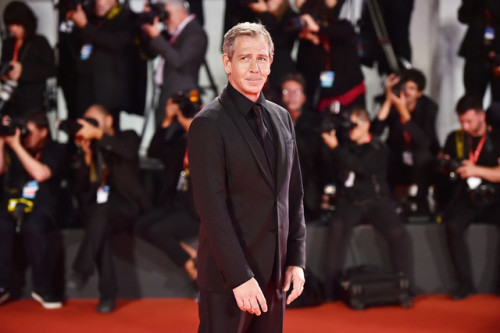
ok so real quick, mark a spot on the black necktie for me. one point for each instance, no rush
(266, 139)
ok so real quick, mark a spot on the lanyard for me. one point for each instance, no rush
(474, 156)
(489, 19)
(15, 55)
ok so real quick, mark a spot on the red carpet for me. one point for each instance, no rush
(479, 313)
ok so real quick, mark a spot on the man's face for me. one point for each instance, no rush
(16, 30)
(102, 7)
(472, 122)
(104, 121)
(176, 14)
(360, 131)
(36, 137)
(292, 95)
(411, 92)
(249, 67)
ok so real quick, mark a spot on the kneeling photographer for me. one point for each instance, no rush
(363, 194)
(473, 155)
(30, 164)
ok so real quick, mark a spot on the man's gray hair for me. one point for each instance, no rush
(246, 29)
(176, 3)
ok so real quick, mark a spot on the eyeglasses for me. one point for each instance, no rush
(295, 92)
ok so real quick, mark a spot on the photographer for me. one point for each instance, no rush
(113, 196)
(176, 218)
(363, 195)
(182, 53)
(410, 117)
(476, 193)
(30, 165)
(27, 59)
(481, 47)
(104, 64)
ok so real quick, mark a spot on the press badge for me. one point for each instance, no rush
(102, 194)
(85, 51)
(327, 78)
(349, 182)
(30, 189)
(407, 158)
(489, 34)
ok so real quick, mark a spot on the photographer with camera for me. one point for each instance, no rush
(363, 195)
(182, 51)
(410, 117)
(105, 71)
(31, 165)
(27, 59)
(112, 197)
(175, 218)
(474, 154)
(481, 47)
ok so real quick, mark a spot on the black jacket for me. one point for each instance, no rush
(37, 59)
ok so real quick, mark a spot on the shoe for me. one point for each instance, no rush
(461, 292)
(77, 281)
(47, 300)
(4, 295)
(106, 305)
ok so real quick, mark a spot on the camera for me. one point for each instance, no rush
(336, 118)
(71, 127)
(6, 91)
(295, 25)
(448, 166)
(189, 104)
(5, 68)
(157, 10)
(15, 123)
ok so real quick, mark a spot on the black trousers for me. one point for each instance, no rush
(101, 220)
(165, 228)
(381, 214)
(35, 228)
(457, 220)
(477, 75)
(219, 313)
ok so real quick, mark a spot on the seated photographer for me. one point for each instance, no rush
(113, 196)
(410, 117)
(474, 156)
(363, 195)
(27, 58)
(182, 53)
(30, 165)
(176, 218)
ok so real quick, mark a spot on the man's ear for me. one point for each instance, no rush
(226, 61)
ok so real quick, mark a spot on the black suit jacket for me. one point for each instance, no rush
(247, 219)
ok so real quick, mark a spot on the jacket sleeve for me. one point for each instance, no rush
(208, 176)
(42, 63)
(125, 146)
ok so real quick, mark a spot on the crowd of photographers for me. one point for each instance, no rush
(354, 168)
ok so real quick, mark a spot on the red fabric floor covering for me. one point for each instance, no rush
(479, 313)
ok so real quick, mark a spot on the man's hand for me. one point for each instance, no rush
(467, 169)
(330, 138)
(401, 105)
(84, 144)
(259, 7)
(78, 16)
(390, 82)
(249, 296)
(295, 275)
(88, 131)
(14, 141)
(152, 30)
(15, 73)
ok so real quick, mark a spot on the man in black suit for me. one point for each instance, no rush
(182, 52)
(248, 192)
(111, 197)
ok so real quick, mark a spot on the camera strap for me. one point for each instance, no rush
(474, 155)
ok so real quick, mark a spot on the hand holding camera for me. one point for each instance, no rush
(78, 16)
(330, 139)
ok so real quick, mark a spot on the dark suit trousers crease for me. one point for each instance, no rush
(219, 313)
(101, 220)
(165, 229)
(381, 214)
(35, 229)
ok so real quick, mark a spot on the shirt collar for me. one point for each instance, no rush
(243, 104)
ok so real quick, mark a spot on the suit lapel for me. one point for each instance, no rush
(249, 136)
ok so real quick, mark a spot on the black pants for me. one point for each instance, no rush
(101, 220)
(477, 75)
(219, 313)
(457, 220)
(381, 214)
(166, 228)
(35, 228)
